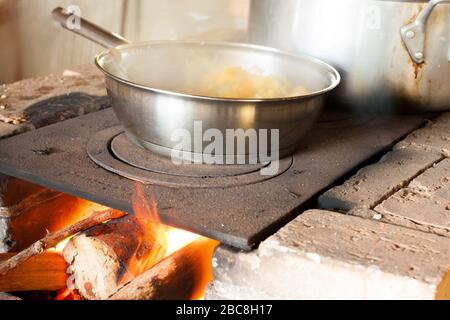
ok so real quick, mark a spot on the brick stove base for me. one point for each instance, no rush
(326, 255)
(392, 242)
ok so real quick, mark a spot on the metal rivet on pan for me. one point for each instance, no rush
(419, 55)
(410, 34)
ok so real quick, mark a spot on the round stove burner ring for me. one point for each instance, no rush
(138, 157)
(163, 172)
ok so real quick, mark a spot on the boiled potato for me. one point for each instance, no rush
(237, 83)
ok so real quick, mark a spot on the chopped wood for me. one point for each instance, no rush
(181, 276)
(44, 272)
(51, 240)
(54, 215)
(99, 258)
(29, 202)
(28, 212)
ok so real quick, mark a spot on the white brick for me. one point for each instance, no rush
(374, 183)
(425, 201)
(434, 137)
(326, 255)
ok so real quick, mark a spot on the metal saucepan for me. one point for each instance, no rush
(145, 82)
(388, 51)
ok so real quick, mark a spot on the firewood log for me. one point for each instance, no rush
(44, 272)
(51, 240)
(181, 276)
(17, 195)
(98, 258)
(28, 212)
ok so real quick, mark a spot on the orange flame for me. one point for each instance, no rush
(153, 232)
(204, 271)
(155, 243)
(67, 294)
(166, 241)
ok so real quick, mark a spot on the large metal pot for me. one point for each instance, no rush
(145, 82)
(387, 51)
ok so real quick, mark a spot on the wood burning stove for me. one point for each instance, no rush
(240, 210)
(86, 165)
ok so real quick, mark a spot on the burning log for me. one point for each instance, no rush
(29, 202)
(44, 272)
(181, 276)
(108, 256)
(28, 212)
(113, 256)
(105, 257)
(51, 240)
(16, 197)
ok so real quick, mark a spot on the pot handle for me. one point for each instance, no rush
(413, 34)
(87, 29)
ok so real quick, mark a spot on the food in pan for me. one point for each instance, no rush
(238, 83)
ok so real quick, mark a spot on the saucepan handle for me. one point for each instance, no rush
(72, 22)
(414, 34)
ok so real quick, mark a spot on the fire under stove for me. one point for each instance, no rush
(91, 158)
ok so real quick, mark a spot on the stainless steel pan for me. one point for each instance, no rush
(145, 82)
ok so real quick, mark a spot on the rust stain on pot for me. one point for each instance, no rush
(419, 8)
(417, 68)
(417, 71)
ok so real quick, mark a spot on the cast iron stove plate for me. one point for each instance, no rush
(112, 150)
(242, 215)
